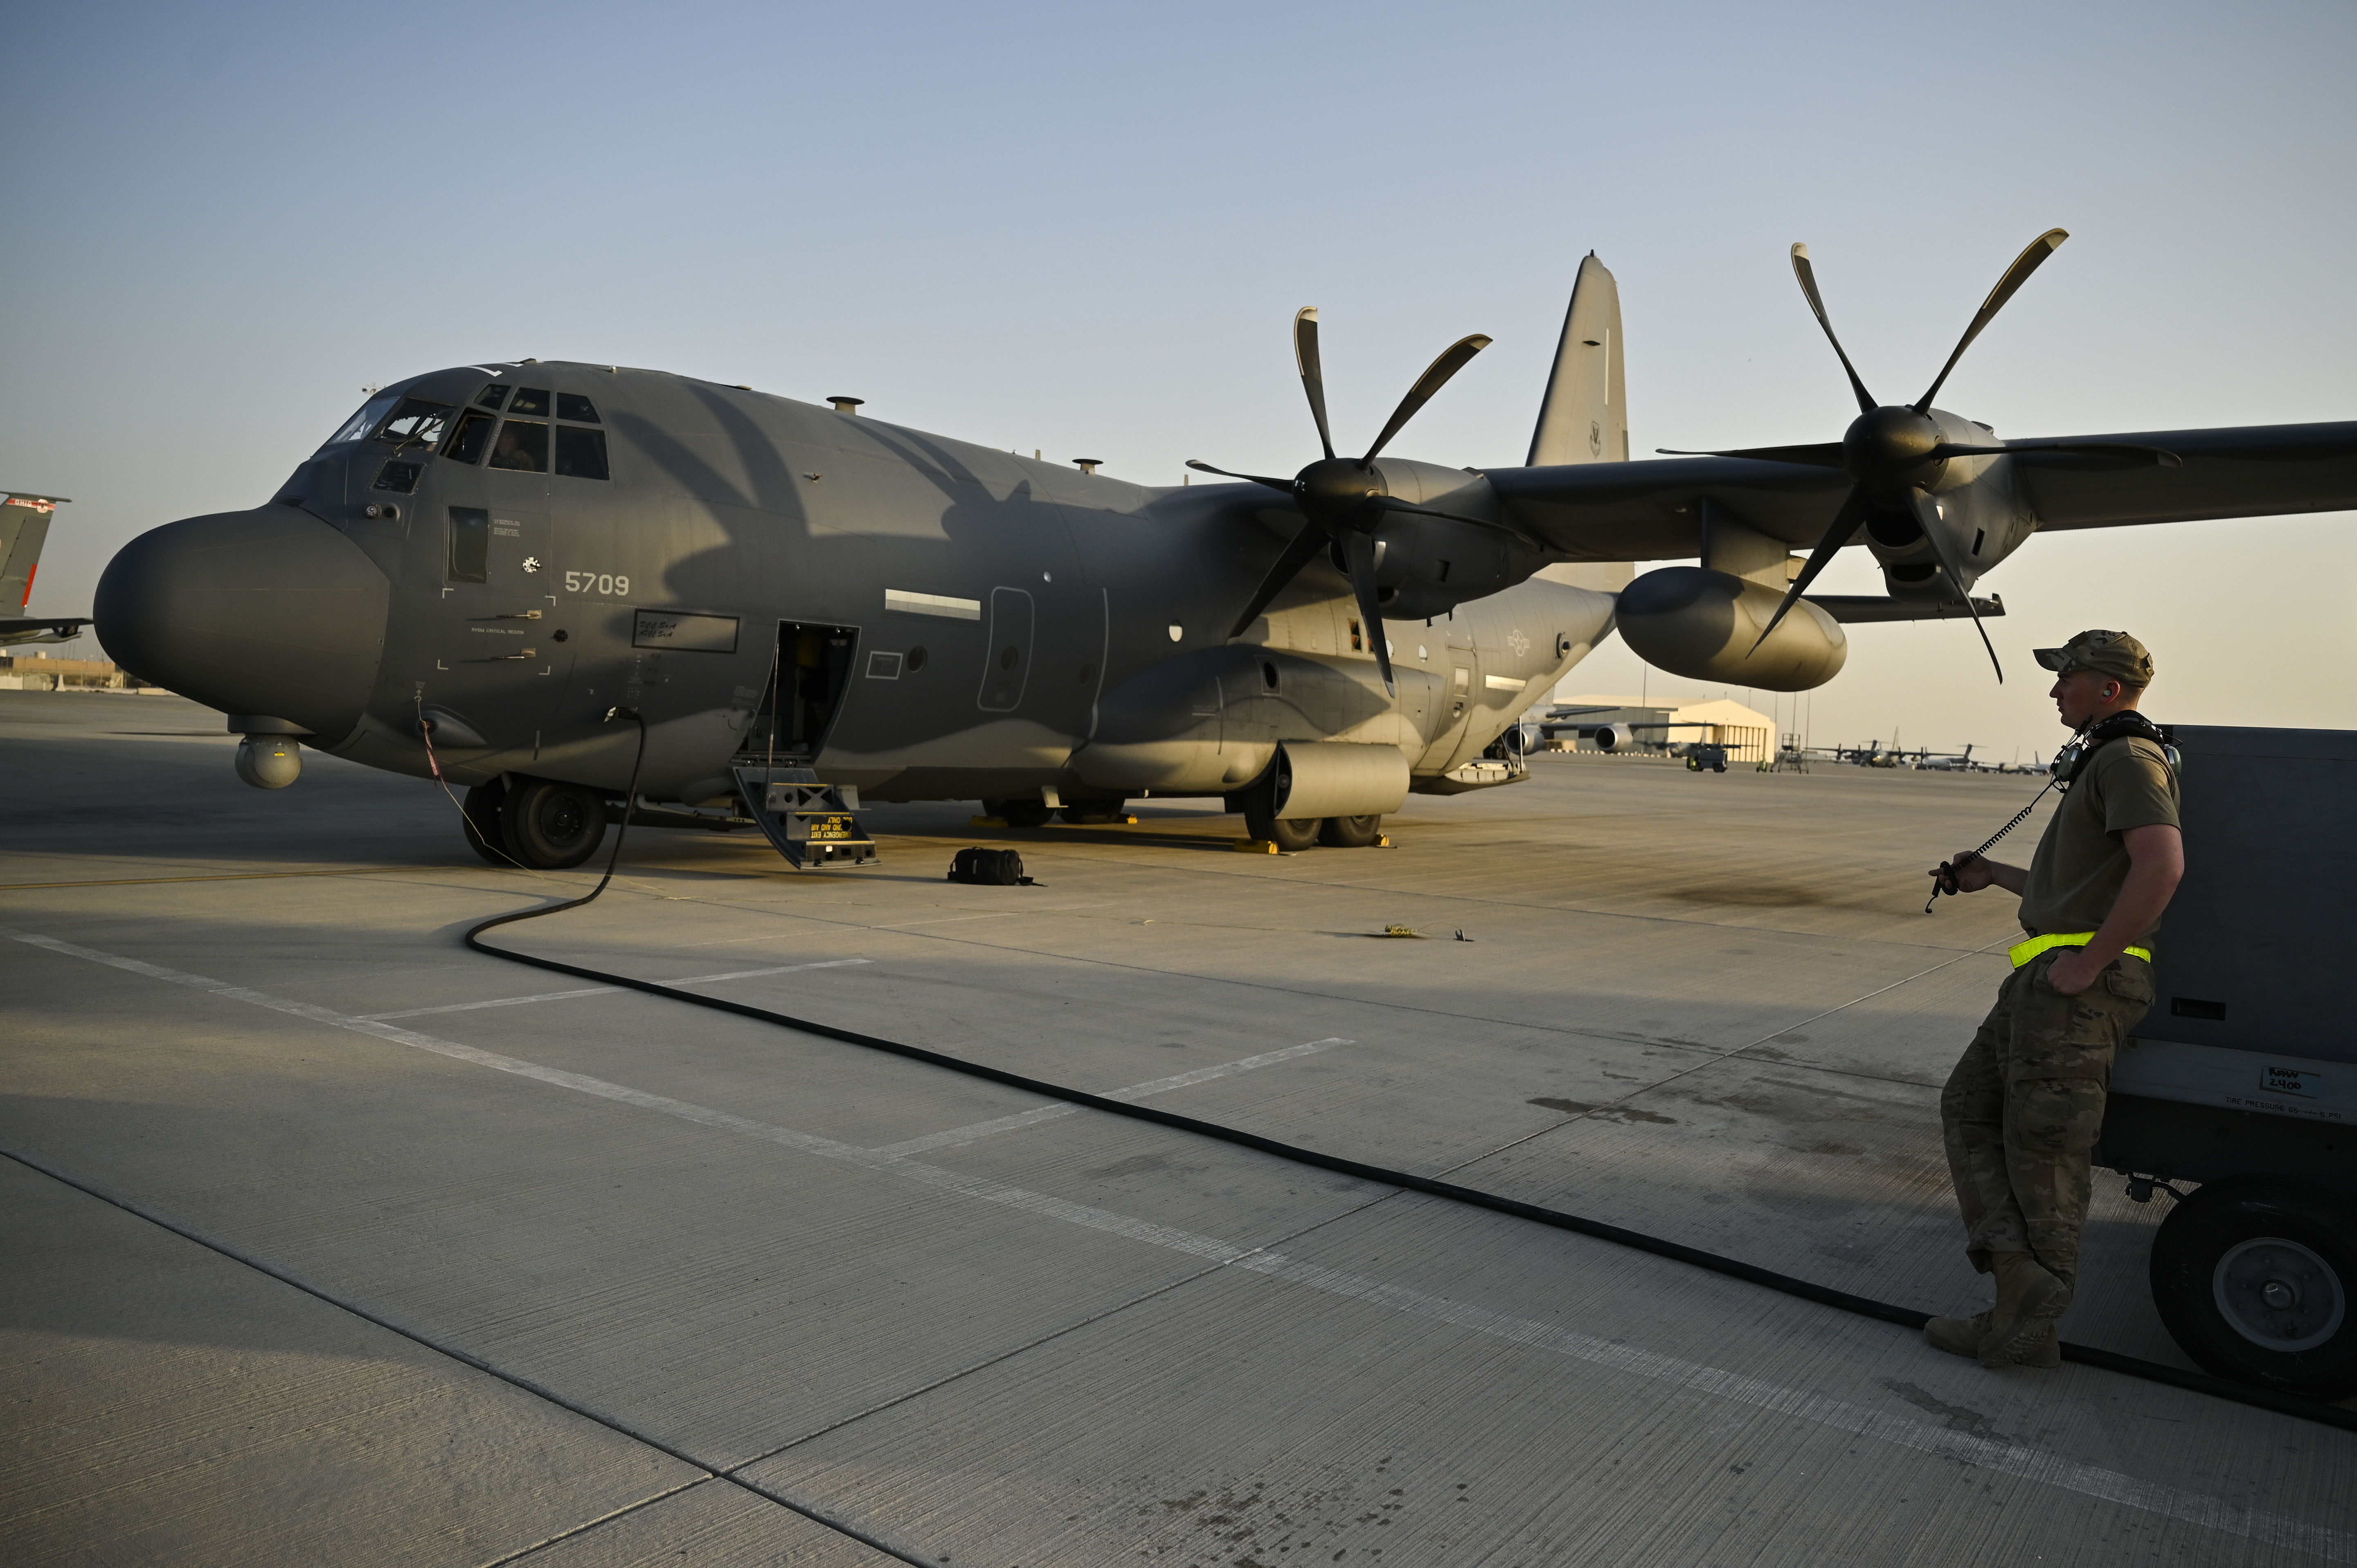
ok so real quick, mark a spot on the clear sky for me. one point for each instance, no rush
(1085, 228)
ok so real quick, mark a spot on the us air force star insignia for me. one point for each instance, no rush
(532, 562)
(1518, 643)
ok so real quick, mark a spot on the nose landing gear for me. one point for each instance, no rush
(534, 823)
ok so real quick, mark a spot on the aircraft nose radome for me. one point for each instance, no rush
(270, 611)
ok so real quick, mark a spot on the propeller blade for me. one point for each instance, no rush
(1815, 455)
(2159, 457)
(1392, 503)
(1452, 359)
(1302, 548)
(1927, 517)
(1359, 555)
(2024, 264)
(1204, 468)
(1808, 276)
(1313, 378)
(1848, 518)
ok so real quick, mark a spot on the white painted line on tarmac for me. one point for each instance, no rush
(603, 990)
(976, 1130)
(1884, 1426)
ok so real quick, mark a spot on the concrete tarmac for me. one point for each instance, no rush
(330, 1241)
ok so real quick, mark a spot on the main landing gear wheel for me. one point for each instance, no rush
(552, 826)
(2254, 1277)
(1349, 833)
(1285, 833)
(1019, 813)
(485, 835)
(1079, 812)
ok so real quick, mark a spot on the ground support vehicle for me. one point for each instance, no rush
(2244, 1076)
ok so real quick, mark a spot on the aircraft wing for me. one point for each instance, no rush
(2256, 470)
(1648, 510)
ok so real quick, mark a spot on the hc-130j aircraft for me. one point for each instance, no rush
(485, 564)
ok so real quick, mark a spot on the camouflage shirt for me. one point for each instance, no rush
(2080, 863)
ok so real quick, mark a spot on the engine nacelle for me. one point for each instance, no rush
(1701, 624)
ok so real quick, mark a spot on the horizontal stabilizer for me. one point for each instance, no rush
(61, 629)
(1853, 609)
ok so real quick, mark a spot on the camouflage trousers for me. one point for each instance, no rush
(2022, 1110)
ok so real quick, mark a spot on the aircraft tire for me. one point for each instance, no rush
(1079, 812)
(1286, 833)
(2254, 1279)
(1349, 833)
(1019, 813)
(552, 826)
(485, 835)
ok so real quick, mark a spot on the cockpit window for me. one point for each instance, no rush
(580, 454)
(361, 424)
(572, 405)
(474, 433)
(418, 421)
(530, 399)
(493, 395)
(522, 445)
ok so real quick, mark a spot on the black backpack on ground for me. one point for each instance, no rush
(990, 868)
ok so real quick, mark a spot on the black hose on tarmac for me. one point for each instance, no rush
(1733, 1268)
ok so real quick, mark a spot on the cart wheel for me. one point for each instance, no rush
(1694, 764)
(2252, 1278)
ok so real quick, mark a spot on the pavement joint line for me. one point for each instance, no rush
(1995, 1455)
(608, 1517)
(417, 1337)
(603, 990)
(976, 1130)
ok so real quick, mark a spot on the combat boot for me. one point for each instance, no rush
(2028, 1301)
(1958, 1336)
(2039, 1346)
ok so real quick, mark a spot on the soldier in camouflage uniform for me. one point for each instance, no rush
(2023, 1108)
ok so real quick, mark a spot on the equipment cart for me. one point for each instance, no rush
(2244, 1076)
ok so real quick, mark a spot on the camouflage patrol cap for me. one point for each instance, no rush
(2113, 653)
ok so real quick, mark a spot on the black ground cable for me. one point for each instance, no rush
(1732, 1268)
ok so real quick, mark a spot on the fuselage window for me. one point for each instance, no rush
(572, 405)
(469, 441)
(581, 454)
(530, 399)
(418, 421)
(470, 545)
(398, 477)
(522, 445)
(493, 395)
(361, 424)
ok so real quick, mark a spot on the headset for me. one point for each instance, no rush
(2068, 764)
(2072, 759)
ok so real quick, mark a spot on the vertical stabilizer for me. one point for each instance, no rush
(24, 528)
(1584, 418)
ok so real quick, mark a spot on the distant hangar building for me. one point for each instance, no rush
(1634, 726)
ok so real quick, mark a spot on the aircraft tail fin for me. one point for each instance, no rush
(24, 528)
(1584, 416)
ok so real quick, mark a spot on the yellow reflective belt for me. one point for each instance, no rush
(2022, 952)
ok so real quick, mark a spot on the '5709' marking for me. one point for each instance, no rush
(605, 585)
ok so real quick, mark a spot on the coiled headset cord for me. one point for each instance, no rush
(1733, 1268)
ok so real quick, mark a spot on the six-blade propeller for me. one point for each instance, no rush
(1895, 454)
(1343, 499)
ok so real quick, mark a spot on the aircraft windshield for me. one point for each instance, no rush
(417, 422)
(361, 424)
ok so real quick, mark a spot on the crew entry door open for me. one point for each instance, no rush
(811, 823)
(807, 683)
